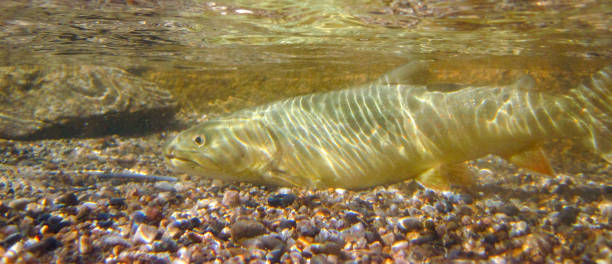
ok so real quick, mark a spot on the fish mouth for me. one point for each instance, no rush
(181, 162)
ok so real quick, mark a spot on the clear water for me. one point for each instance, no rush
(220, 56)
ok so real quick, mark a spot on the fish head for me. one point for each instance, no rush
(232, 149)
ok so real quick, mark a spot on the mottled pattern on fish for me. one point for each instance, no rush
(387, 132)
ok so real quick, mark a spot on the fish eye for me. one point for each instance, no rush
(199, 140)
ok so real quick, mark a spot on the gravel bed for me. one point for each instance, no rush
(53, 210)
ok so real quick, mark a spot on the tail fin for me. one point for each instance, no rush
(595, 96)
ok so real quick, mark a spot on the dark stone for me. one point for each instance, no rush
(328, 247)
(165, 244)
(286, 224)
(214, 226)
(138, 217)
(281, 200)
(56, 223)
(57, 101)
(270, 242)
(11, 239)
(509, 209)
(105, 223)
(251, 203)
(424, 239)
(351, 217)
(465, 210)
(589, 194)
(42, 217)
(46, 245)
(274, 256)
(195, 222)
(68, 199)
(103, 216)
(490, 239)
(372, 236)
(568, 215)
(117, 202)
(443, 206)
(182, 224)
(409, 223)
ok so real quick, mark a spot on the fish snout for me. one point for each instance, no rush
(169, 150)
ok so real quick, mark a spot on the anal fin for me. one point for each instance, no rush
(443, 176)
(533, 159)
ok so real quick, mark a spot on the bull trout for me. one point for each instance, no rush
(389, 131)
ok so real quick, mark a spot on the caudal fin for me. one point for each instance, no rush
(595, 97)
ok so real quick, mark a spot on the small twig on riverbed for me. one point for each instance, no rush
(118, 175)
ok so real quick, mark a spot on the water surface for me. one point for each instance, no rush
(220, 56)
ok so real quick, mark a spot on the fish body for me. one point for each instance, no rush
(388, 131)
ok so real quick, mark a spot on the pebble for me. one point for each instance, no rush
(231, 198)
(509, 209)
(117, 202)
(164, 186)
(246, 229)
(19, 204)
(10, 240)
(67, 199)
(85, 246)
(281, 200)
(145, 234)
(328, 247)
(428, 209)
(569, 214)
(465, 210)
(518, 229)
(305, 228)
(113, 240)
(400, 245)
(354, 232)
(45, 245)
(271, 242)
(138, 216)
(55, 224)
(165, 244)
(284, 224)
(606, 211)
(409, 223)
(153, 213)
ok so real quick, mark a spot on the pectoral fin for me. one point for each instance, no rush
(532, 159)
(441, 177)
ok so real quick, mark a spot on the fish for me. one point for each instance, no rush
(392, 130)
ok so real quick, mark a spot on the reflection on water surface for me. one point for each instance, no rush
(218, 56)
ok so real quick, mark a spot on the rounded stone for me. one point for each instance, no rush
(231, 198)
(409, 223)
(246, 228)
(67, 199)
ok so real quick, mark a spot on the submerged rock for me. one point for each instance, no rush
(78, 101)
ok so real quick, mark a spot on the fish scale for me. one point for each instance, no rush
(389, 131)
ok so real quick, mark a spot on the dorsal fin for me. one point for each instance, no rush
(415, 72)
